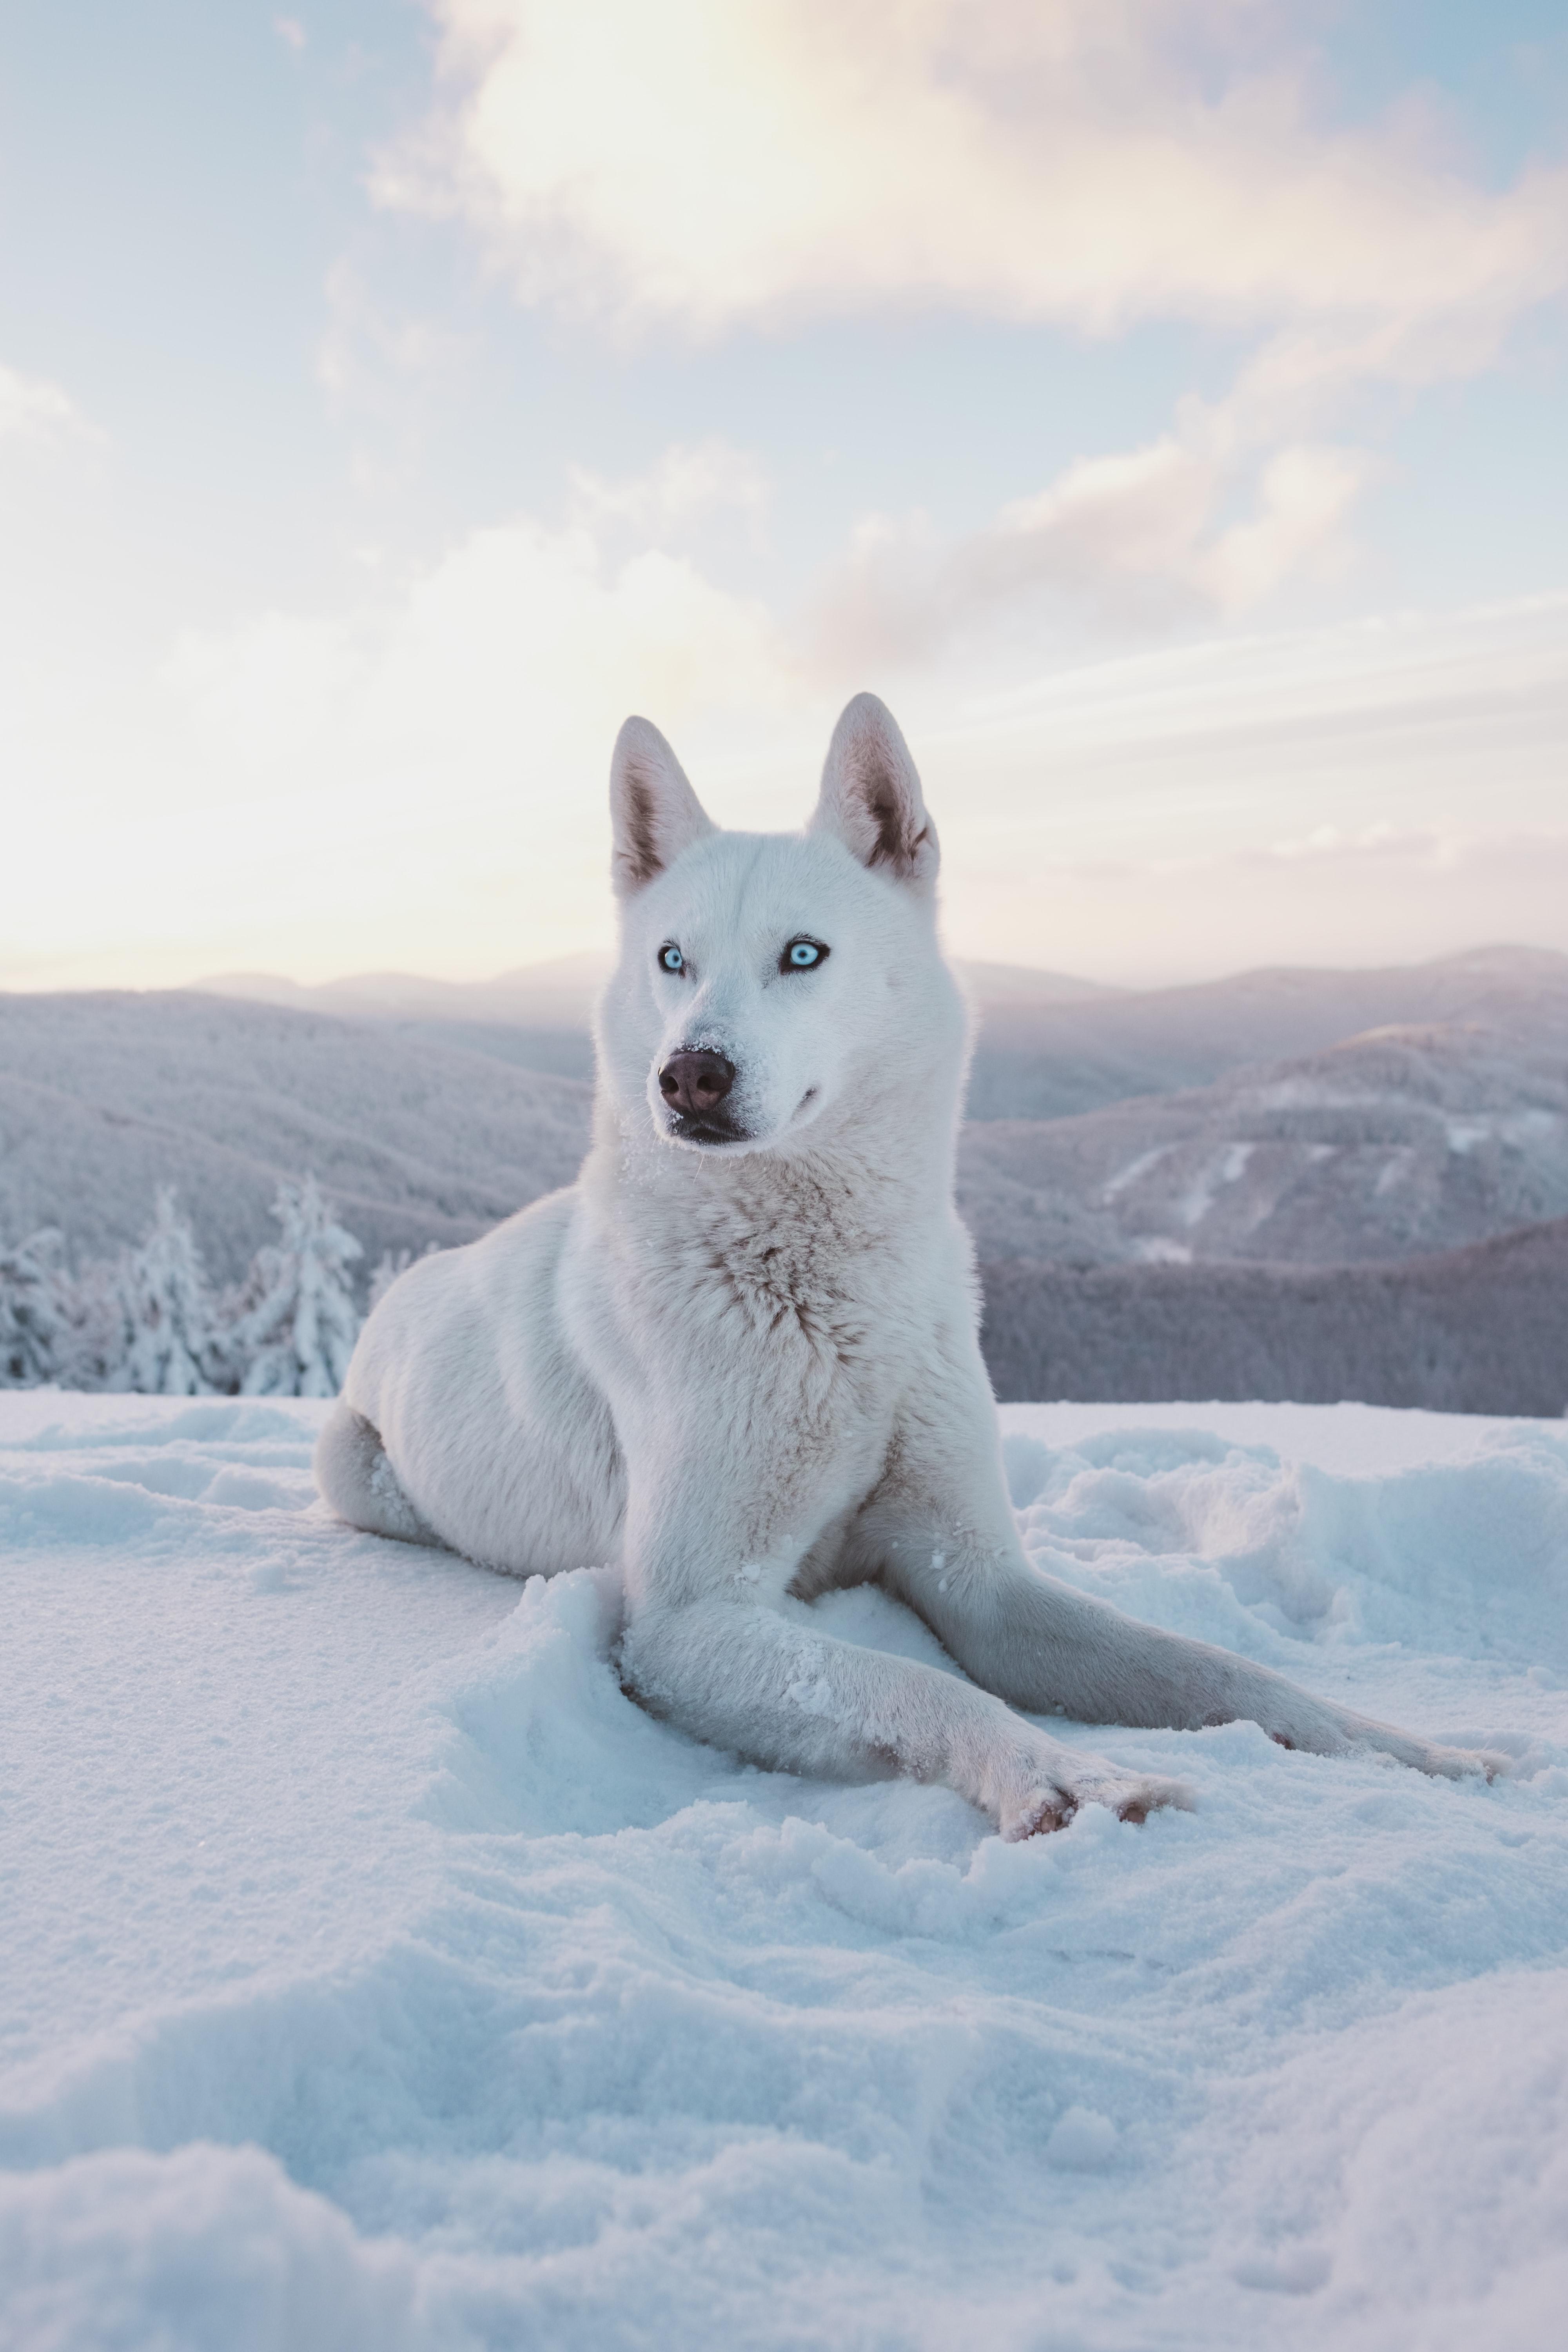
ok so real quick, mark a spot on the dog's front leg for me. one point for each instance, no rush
(763, 1681)
(715, 1646)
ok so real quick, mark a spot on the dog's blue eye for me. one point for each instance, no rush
(801, 954)
(670, 957)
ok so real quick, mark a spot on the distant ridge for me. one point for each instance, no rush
(558, 993)
(1050, 1044)
(1052, 1061)
(561, 992)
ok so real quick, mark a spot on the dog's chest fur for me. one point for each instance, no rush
(796, 1277)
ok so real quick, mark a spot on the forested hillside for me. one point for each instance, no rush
(1475, 1330)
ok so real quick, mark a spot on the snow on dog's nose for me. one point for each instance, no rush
(694, 1082)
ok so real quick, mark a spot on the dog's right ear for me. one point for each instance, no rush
(653, 810)
(871, 796)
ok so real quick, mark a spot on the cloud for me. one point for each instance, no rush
(484, 663)
(365, 342)
(1083, 164)
(1086, 163)
(1135, 538)
(32, 409)
(688, 482)
(416, 780)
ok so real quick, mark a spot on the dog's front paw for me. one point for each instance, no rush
(1131, 1796)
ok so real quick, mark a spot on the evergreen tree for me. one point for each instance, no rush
(170, 1336)
(34, 1311)
(94, 1344)
(297, 1324)
(388, 1267)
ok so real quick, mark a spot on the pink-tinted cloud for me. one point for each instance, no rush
(1071, 161)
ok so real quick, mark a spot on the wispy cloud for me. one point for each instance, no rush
(367, 342)
(689, 483)
(1135, 538)
(32, 409)
(1386, 897)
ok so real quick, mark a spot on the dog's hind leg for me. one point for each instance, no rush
(942, 1537)
(358, 1482)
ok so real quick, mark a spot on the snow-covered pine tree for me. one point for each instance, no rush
(34, 1319)
(92, 1348)
(388, 1267)
(170, 1344)
(297, 1322)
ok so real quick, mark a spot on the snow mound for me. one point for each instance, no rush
(386, 1977)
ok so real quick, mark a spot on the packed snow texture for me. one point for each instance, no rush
(377, 1974)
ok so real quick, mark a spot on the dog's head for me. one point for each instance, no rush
(770, 982)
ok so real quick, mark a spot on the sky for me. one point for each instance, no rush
(1158, 401)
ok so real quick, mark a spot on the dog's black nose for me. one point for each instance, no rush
(695, 1083)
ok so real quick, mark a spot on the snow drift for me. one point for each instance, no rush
(379, 1975)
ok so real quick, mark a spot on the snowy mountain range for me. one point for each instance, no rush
(538, 1016)
(561, 994)
(1049, 1045)
(418, 1106)
(1403, 1141)
(1054, 1061)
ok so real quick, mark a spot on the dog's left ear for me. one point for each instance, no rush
(654, 811)
(871, 796)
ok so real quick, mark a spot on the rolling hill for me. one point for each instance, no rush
(105, 1096)
(1049, 1045)
(1400, 1141)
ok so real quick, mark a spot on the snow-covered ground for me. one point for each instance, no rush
(377, 1975)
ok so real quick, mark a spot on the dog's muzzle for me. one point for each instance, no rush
(695, 1084)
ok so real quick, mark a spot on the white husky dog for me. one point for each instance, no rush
(738, 1357)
